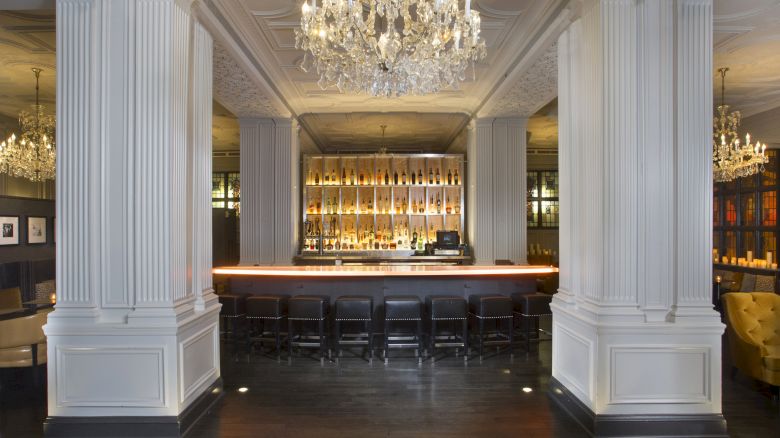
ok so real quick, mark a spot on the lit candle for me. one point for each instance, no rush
(769, 257)
(733, 260)
(774, 265)
(750, 256)
(763, 149)
(747, 138)
(725, 260)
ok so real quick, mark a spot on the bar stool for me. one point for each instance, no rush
(266, 308)
(528, 308)
(355, 308)
(305, 308)
(403, 308)
(495, 308)
(231, 314)
(451, 308)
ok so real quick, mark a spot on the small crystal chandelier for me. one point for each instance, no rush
(732, 159)
(32, 154)
(389, 47)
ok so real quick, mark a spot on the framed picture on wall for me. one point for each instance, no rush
(36, 229)
(9, 230)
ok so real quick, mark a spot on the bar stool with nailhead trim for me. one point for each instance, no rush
(232, 314)
(303, 309)
(403, 308)
(444, 308)
(496, 309)
(529, 308)
(261, 309)
(354, 308)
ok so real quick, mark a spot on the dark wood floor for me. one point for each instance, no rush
(402, 399)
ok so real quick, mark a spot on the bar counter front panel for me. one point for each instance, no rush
(380, 281)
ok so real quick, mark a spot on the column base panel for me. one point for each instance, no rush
(136, 426)
(702, 425)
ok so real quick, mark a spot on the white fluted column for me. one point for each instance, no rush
(634, 331)
(496, 153)
(269, 190)
(135, 330)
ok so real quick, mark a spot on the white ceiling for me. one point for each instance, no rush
(747, 41)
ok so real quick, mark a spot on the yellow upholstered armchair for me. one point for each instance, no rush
(753, 327)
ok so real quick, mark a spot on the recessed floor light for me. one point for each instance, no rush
(506, 371)
(243, 389)
(527, 389)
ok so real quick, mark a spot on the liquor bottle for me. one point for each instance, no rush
(309, 179)
(438, 204)
(449, 206)
(395, 177)
(457, 208)
(449, 177)
(414, 239)
(361, 178)
(430, 176)
(387, 178)
(333, 176)
(438, 177)
(317, 179)
(319, 207)
(343, 177)
(419, 177)
(414, 206)
(397, 206)
(403, 205)
(352, 207)
(352, 177)
(420, 240)
(456, 177)
(422, 206)
(328, 208)
(370, 205)
(403, 177)
(414, 178)
(430, 206)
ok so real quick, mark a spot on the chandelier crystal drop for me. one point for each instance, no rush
(32, 154)
(732, 159)
(389, 47)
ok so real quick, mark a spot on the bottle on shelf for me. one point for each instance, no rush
(325, 178)
(395, 177)
(316, 178)
(456, 177)
(361, 179)
(430, 176)
(414, 206)
(414, 239)
(419, 177)
(343, 177)
(438, 203)
(457, 208)
(414, 178)
(448, 209)
(333, 176)
(438, 177)
(403, 177)
(309, 179)
(387, 178)
(449, 177)
(421, 206)
(352, 177)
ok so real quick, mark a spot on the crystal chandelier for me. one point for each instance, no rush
(389, 47)
(732, 159)
(32, 154)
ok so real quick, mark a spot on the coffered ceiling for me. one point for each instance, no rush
(515, 31)
(747, 41)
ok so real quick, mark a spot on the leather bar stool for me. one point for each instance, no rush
(261, 309)
(528, 308)
(496, 309)
(308, 308)
(442, 309)
(355, 308)
(403, 309)
(232, 314)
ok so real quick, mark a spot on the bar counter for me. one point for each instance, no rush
(384, 271)
(379, 281)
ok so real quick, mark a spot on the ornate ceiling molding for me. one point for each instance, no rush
(234, 89)
(536, 87)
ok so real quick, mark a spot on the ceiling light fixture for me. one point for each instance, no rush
(732, 159)
(32, 154)
(389, 47)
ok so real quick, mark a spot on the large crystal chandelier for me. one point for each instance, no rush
(389, 47)
(732, 159)
(32, 154)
